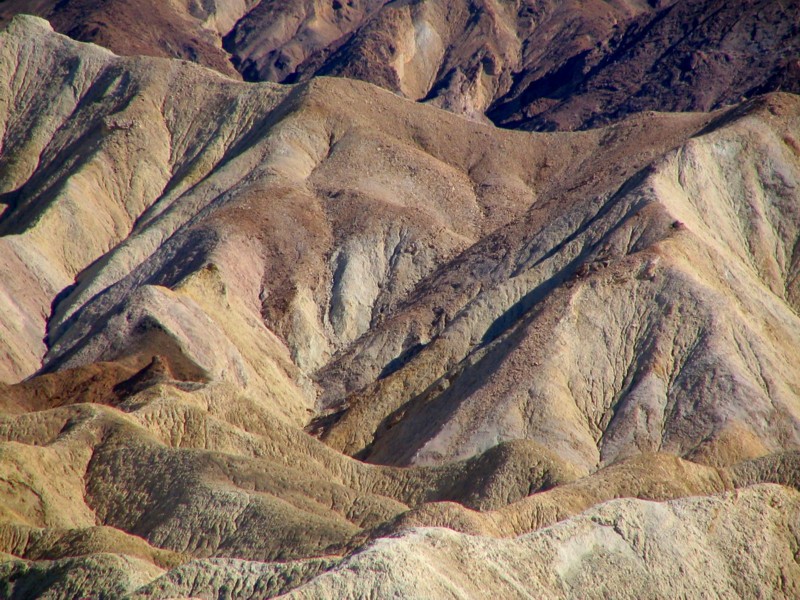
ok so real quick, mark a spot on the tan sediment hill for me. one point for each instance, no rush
(512, 328)
(739, 544)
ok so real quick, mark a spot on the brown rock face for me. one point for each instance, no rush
(534, 65)
(273, 40)
(527, 64)
(535, 364)
(682, 56)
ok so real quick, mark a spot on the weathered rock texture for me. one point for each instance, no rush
(496, 332)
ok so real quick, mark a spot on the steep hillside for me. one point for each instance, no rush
(524, 359)
(657, 315)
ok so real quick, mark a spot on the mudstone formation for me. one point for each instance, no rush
(284, 312)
